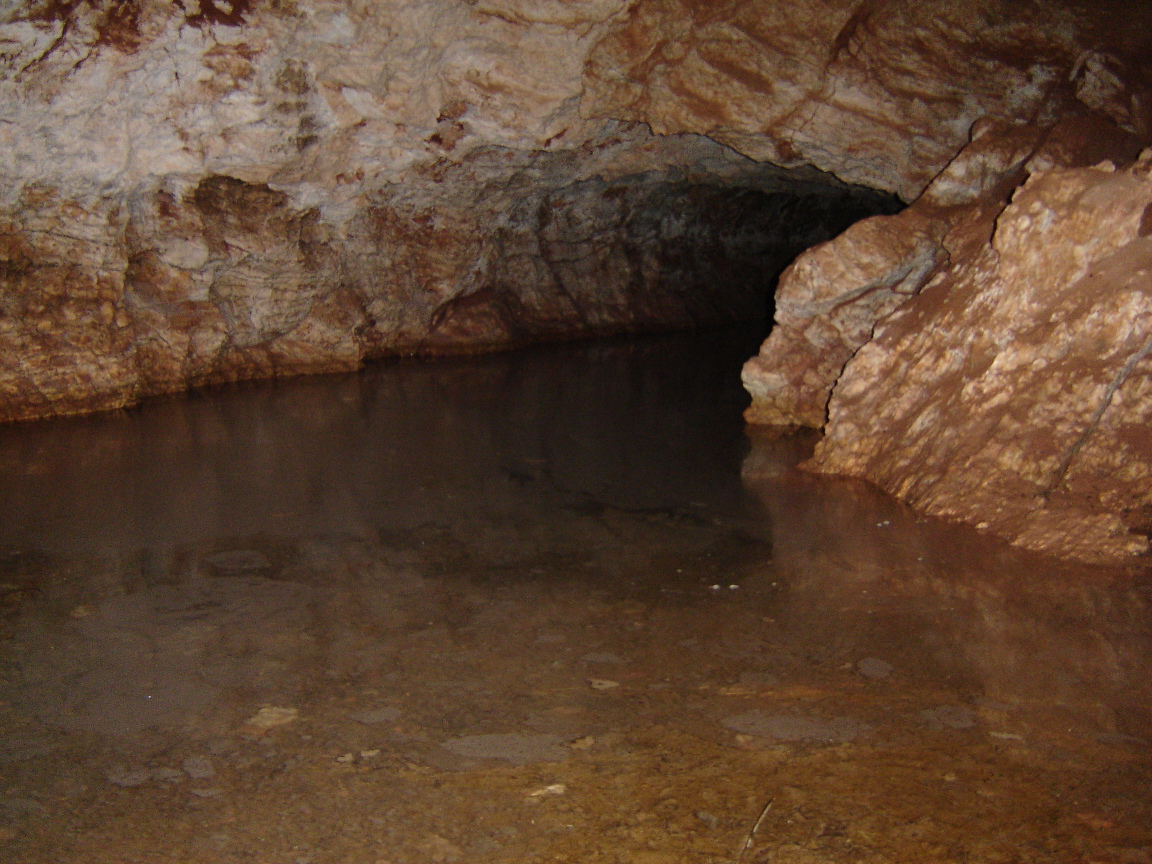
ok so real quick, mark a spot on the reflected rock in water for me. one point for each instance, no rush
(1032, 636)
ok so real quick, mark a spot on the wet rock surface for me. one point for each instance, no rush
(198, 193)
(270, 189)
(210, 192)
(882, 93)
(248, 646)
(230, 279)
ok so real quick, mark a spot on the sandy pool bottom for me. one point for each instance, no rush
(343, 701)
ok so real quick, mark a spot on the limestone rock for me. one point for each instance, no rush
(830, 300)
(879, 92)
(1015, 391)
(229, 279)
(196, 193)
(65, 336)
(840, 304)
(206, 191)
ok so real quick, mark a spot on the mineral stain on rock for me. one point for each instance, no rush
(228, 13)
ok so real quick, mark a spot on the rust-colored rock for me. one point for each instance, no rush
(65, 336)
(829, 301)
(879, 92)
(230, 279)
(983, 360)
(200, 192)
(831, 298)
(1014, 391)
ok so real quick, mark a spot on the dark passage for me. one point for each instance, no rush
(648, 253)
(666, 250)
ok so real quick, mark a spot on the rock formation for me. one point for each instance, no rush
(1015, 391)
(830, 300)
(210, 190)
(987, 359)
(207, 192)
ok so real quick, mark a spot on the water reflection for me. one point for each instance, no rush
(1033, 639)
(645, 424)
(562, 463)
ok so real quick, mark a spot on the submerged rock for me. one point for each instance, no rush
(788, 727)
(514, 747)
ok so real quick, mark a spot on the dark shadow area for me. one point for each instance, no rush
(651, 424)
(655, 252)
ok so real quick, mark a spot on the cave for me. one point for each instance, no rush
(575, 430)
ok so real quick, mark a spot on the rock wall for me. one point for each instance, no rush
(983, 359)
(880, 92)
(206, 191)
(983, 355)
(831, 298)
(111, 300)
(1016, 388)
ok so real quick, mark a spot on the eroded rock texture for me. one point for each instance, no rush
(206, 191)
(830, 300)
(1015, 391)
(170, 287)
(202, 192)
(881, 92)
(983, 360)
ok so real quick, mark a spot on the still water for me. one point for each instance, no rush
(555, 605)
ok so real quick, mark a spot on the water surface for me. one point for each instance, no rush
(555, 605)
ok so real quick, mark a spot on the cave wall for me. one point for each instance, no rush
(984, 355)
(165, 288)
(209, 192)
(1013, 390)
(205, 191)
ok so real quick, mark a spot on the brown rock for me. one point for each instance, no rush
(65, 338)
(880, 93)
(244, 189)
(830, 300)
(230, 279)
(1013, 392)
